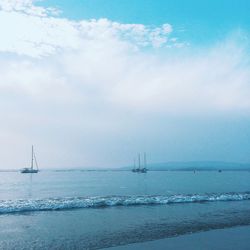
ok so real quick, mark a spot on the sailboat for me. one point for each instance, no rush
(31, 170)
(140, 169)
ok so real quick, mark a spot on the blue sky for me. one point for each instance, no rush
(194, 20)
(106, 79)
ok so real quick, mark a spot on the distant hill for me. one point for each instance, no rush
(197, 165)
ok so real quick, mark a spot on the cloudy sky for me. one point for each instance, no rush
(93, 82)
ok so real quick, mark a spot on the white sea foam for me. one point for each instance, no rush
(13, 206)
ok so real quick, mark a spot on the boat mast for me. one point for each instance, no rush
(145, 161)
(139, 161)
(32, 157)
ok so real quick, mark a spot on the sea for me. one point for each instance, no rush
(99, 209)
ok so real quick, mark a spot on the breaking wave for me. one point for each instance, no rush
(50, 204)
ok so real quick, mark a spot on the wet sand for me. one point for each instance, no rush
(236, 238)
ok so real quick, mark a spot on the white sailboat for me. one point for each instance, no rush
(31, 170)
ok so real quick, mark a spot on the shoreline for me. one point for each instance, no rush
(217, 239)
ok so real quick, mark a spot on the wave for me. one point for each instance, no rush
(50, 204)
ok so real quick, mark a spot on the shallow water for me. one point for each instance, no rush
(91, 210)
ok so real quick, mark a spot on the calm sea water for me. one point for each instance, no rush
(94, 210)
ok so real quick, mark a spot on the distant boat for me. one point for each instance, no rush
(140, 169)
(31, 170)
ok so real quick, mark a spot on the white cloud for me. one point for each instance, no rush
(104, 57)
(27, 7)
(32, 31)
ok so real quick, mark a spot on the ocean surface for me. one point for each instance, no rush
(100, 209)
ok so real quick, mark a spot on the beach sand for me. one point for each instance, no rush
(237, 238)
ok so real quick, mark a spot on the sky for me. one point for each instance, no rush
(90, 83)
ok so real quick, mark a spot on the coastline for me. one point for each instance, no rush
(218, 239)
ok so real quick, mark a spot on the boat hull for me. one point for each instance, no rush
(140, 170)
(29, 171)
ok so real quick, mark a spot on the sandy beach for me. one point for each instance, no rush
(221, 239)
